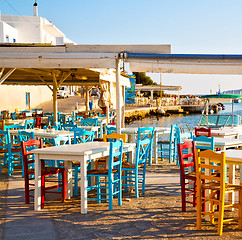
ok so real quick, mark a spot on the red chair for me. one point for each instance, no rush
(45, 171)
(186, 151)
(38, 122)
(202, 131)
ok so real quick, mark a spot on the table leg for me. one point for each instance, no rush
(83, 185)
(240, 200)
(68, 180)
(101, 130)
(155, 148)
(37, 192)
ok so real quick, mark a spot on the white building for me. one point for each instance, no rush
(30, 29)
(16, 29)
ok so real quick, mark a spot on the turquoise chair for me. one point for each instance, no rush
(62, 119)
(25, 136)
(14, 116)
(15, 138)
(110, 129)
(11, 156)
(168, 148)
(147, 133)
(50, 121)
(68, 126)
(206, 143)
(89, 122)
(29, 124)
(81, 136)
(132, 177)
(112, 174)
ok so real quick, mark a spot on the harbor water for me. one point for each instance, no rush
(190, 120)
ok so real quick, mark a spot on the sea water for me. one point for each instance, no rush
(183, 120)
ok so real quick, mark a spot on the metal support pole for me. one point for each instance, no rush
(118, 96)
(123, 108)
(54, 98)
(87, 99)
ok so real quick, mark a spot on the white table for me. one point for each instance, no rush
(45, 133)
(68, 153)
(234, 132)
(225, 143)
(133, 131)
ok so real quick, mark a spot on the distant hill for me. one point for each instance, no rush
(237, 91)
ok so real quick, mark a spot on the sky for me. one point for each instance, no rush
(190, 26)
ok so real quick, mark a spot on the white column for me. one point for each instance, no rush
(118, 96)
(54, 99)
(152, 95)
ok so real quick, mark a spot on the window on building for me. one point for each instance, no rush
(14, 40)
(7, 38)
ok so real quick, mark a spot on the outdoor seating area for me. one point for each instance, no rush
(86, 158)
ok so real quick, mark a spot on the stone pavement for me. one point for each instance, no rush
(22, 222)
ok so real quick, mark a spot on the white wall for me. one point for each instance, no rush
(7, 30)
(12, 97)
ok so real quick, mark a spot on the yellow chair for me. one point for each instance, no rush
(214, 183)
(101, 162)
(114, 136)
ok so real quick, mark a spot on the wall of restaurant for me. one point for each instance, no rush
(12, 97)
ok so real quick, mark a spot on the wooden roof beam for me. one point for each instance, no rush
(7, 75)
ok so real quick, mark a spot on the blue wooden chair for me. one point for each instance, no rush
(206, 143)
(29, 124)
(132, 177)
(14, 116)
(147, 133)
(15, 138)
(89, 122)
(68, 126)
(82, 136)
(11, 155)
(25, 136)
(110, 129)
(168, 148)
(62, 119)
(112, 174)
(50, 121)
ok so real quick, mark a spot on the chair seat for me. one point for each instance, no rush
(102, 171)
(191, 175)
(12, 149)
(216, 186)
(47, 170)
(163, 142)
(128, 165)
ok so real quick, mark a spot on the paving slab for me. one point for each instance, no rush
(22, 222)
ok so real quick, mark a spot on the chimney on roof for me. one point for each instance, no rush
(35, 8)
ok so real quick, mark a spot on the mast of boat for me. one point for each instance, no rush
(160, 90)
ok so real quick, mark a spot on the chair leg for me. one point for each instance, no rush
(63, 195)
(195, 194)
(199, 208)
(99, 196)
(136, 184)
(27, 189)
(119, 189)
(183, 195)
(42, 191)
(240, 210)
(221, 214)
(110, 194)
(75, 180)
